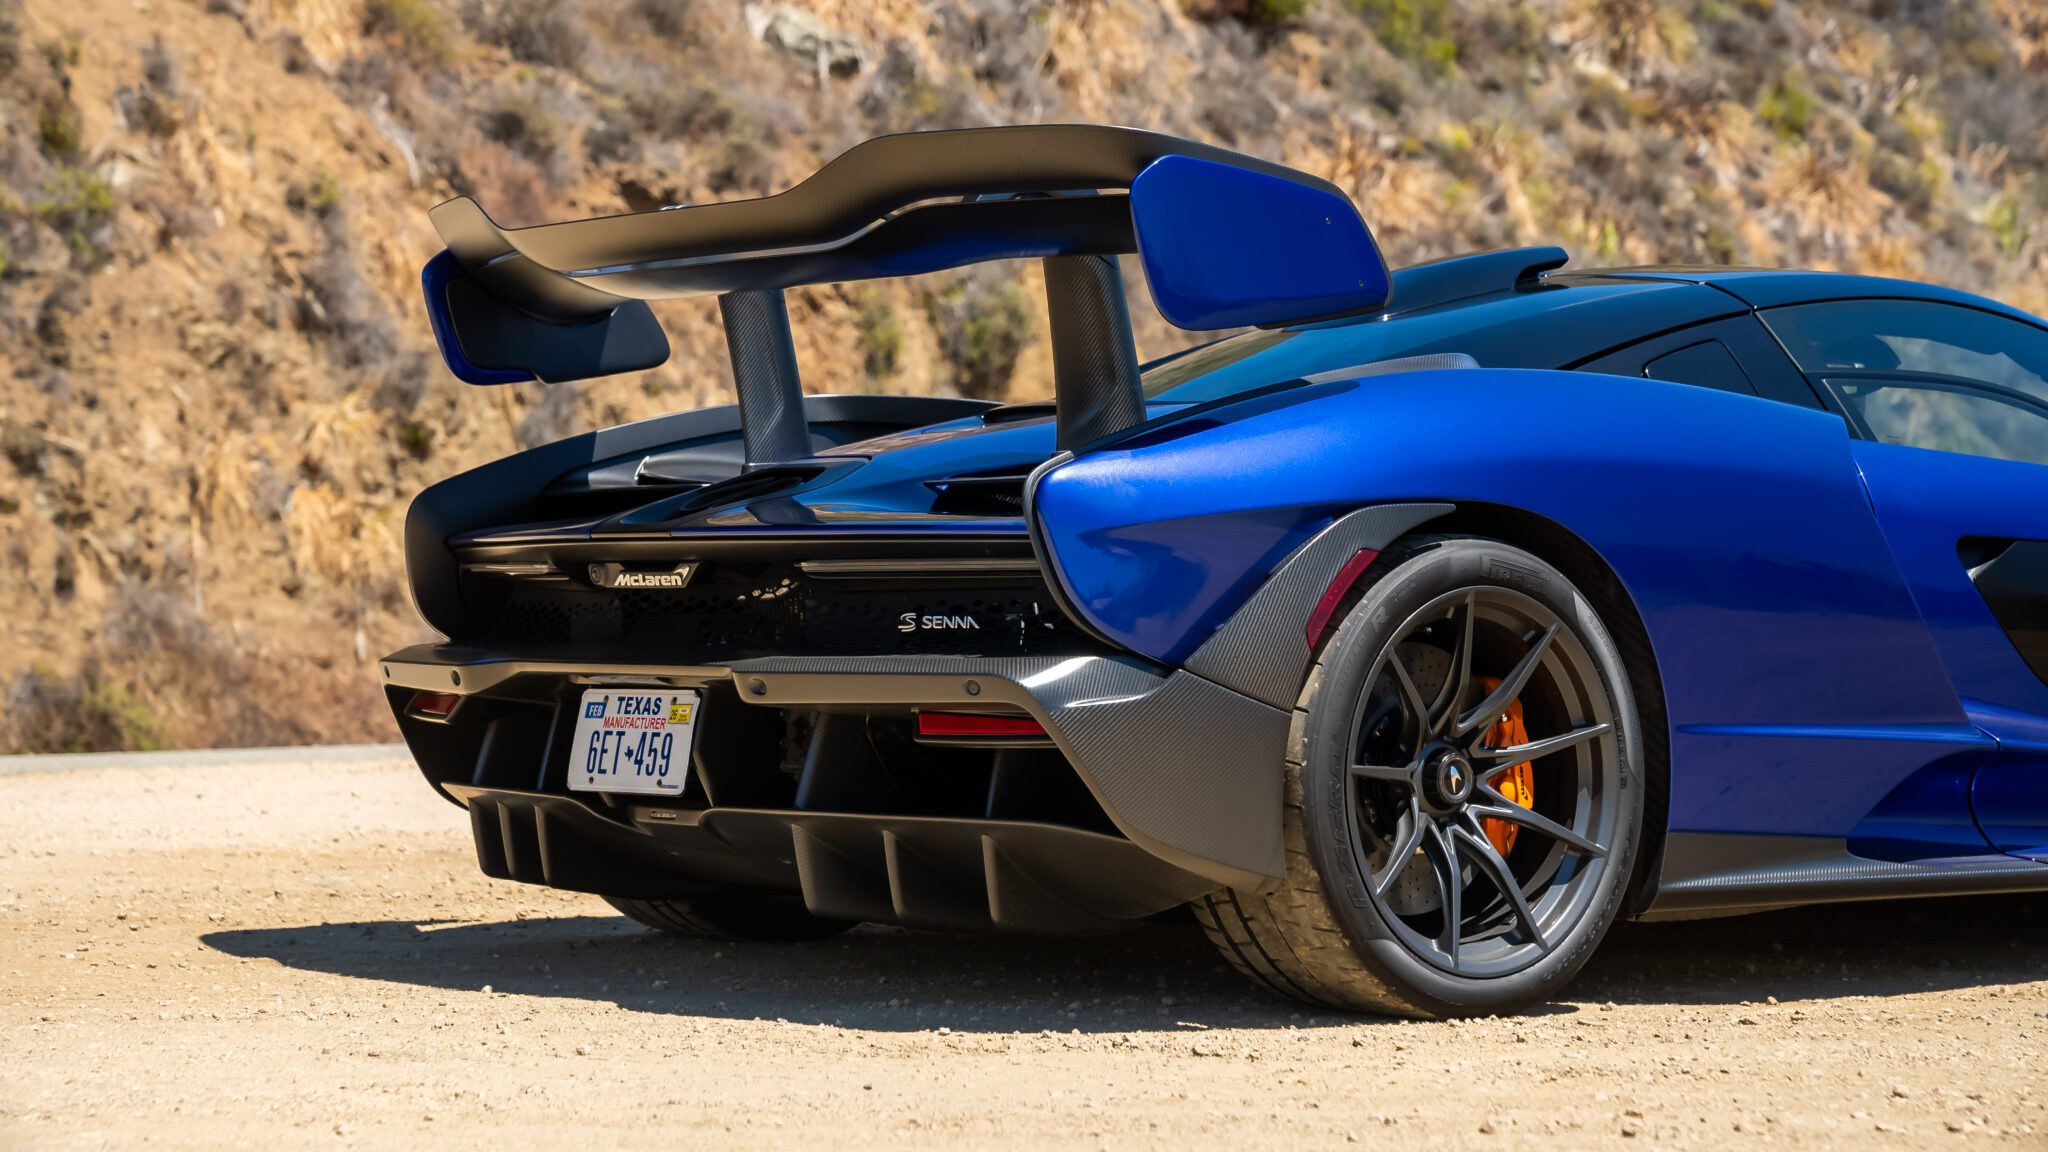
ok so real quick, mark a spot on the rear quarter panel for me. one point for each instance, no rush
(1801, 685)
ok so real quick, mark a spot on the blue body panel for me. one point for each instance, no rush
(1789, 645)
(1928, 502)
(2010, 792)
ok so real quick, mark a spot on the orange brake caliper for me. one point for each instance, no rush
(1517, 782)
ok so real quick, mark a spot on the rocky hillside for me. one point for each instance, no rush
(217, 391)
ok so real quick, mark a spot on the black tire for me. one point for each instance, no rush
(731, 918)
(1344, 931)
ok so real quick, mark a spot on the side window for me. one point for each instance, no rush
(1734, 354)
(1707, 364)
(1928, 375)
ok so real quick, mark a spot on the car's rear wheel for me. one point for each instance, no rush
(1464, 794)
(731, 918)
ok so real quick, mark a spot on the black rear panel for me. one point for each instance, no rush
(736, 611)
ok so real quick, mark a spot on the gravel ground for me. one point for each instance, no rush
(265, 955)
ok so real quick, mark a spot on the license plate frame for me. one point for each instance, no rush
(633, 740)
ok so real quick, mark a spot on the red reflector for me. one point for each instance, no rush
(1334, 594)
(975, 724)
(436, 704)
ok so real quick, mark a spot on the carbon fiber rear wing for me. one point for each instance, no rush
(1226, 240)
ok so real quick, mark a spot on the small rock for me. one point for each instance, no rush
(583, 1049)
(803, 35)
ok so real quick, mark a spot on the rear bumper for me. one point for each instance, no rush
(1185, 770)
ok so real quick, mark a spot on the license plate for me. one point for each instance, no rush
(632, 740)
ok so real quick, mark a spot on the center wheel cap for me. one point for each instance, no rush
(1449, 778)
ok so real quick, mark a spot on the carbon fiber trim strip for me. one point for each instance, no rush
(1262, 651)
(1706, 873)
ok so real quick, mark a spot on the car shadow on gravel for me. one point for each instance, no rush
(1157, 976)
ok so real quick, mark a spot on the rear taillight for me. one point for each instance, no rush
(434, 705)
(973, 725)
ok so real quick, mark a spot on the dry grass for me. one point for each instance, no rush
(1829, 197)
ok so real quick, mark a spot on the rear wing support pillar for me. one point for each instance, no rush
(764, 373)
(1094, 354)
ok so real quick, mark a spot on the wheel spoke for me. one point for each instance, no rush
(1510, 687)
(1384, 773)
(1536, 749)
(1402, 857)
(1443, 861)
(1488, 860)
(1459, 678)
(1411, 697)
(1494, 806)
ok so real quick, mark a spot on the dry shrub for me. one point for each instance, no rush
(340, 303)
(411, 26)
(983, 323)
(159, 675)
(333, 541)
(1643, 39)
(10, 36)
(2026, 24)
(673, 19)
(159, 105)
(537, 31)
(1829, 196)
(226, 481)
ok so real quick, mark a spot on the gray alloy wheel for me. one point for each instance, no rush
(1415, 886)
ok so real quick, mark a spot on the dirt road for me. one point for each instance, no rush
(277, 955)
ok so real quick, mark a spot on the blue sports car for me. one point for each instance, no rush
(1410, 637)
